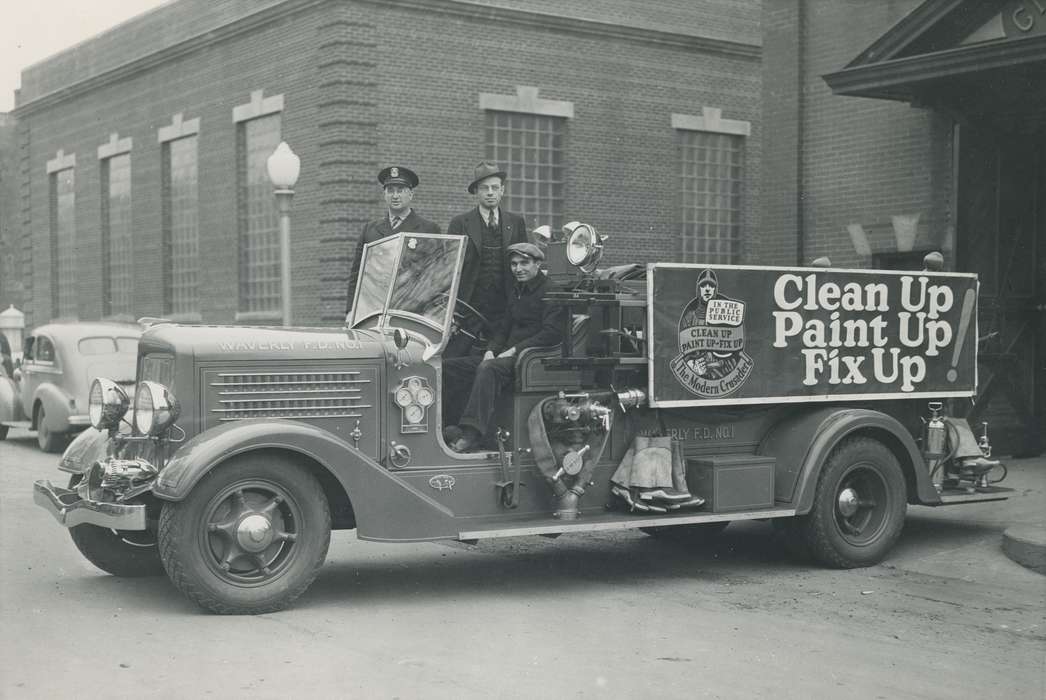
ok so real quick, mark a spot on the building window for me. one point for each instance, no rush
(181, 231)
(711, 184)
(63, 243)
(258, 224)
(117, 238)
(530, 149)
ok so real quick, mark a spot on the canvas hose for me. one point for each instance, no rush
(545, 457)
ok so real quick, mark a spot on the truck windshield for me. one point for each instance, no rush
(411, 275)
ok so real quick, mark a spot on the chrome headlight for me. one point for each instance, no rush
(584, 245)
(106, 404)
(155, 408)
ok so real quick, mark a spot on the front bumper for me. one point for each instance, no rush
(70, 510)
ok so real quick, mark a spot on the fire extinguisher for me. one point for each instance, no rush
(935, 448)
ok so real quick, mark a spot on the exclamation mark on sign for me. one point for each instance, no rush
(964, 323)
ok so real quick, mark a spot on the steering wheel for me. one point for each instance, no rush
(465, 312)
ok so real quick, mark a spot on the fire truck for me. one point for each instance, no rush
(682, 398)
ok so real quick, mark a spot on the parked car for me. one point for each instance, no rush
(48, 390)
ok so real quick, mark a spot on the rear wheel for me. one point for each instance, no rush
(48, 440)
(859, 506)
(250, 536)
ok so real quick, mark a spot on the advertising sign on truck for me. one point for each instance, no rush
(734, 335)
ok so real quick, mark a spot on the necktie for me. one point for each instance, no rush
(491, 224)
(396, 221)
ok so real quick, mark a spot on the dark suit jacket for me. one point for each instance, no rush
(471, 224)
(375, 231)
(528, 321)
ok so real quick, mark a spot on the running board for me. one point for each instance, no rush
(619, 521)
(953, 497)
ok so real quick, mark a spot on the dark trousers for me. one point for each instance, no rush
(487, 380)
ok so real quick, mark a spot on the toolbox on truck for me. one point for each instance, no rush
(732, 482)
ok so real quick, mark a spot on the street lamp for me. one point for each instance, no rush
(284, 166)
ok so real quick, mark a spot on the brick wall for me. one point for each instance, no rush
(10, 279)
(863, 161)
(370, 84)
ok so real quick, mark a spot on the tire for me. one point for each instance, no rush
(3, 432)
(129, 554)
(859, 506)
(48, 440)
(249, 538)
(691, 532)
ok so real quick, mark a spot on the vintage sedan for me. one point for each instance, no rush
(48, 392)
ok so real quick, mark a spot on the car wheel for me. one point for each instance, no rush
(859, 505)
(3, 432)
(121, 553)
(249, 538)
(691, 532)
(47, 439)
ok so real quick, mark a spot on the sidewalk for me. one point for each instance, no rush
(1025, 540)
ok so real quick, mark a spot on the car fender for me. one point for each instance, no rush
(10, 401)
(801, 444)
(378, 498)
(56, 406)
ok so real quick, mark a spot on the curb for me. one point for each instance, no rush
(1026, 545)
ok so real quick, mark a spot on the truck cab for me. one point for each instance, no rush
(682, 396)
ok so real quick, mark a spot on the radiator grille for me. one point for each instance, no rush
(290, 395)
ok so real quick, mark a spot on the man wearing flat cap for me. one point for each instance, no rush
(526, 322)
(398, 185)
(485, 278)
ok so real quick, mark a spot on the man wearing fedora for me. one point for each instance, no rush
(527, 321)
(485, 280)
(398, 185)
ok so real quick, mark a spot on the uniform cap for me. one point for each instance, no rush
(397, 174)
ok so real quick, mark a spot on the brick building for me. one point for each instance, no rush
(896, 128)
(141, 151)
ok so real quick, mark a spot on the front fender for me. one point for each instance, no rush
(56, 407)
(803, 442)
(385, 507)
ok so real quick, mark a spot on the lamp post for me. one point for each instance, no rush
(284, 166)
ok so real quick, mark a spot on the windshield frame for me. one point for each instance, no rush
(386, 313)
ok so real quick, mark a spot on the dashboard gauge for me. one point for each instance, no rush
(414, 414)
(414, 383)
(404, 397)
(425, 396)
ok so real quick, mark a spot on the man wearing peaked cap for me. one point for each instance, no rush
(485, 278)
(397, 184)
(527, 322)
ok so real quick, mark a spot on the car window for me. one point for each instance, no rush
(44, 349)
(127, 345)
(28, 348)
(96, 346)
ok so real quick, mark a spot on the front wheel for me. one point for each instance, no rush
(249, 538)
(859, 506)
(47, 439)
(127, 554)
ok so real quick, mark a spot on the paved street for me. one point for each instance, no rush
(615, 615)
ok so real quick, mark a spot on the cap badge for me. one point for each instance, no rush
(395, 172)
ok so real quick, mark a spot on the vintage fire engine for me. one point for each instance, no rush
(683, 397)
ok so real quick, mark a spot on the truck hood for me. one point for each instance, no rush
(261, 343)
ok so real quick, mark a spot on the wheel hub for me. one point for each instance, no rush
(254, 533)
(848, 502)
